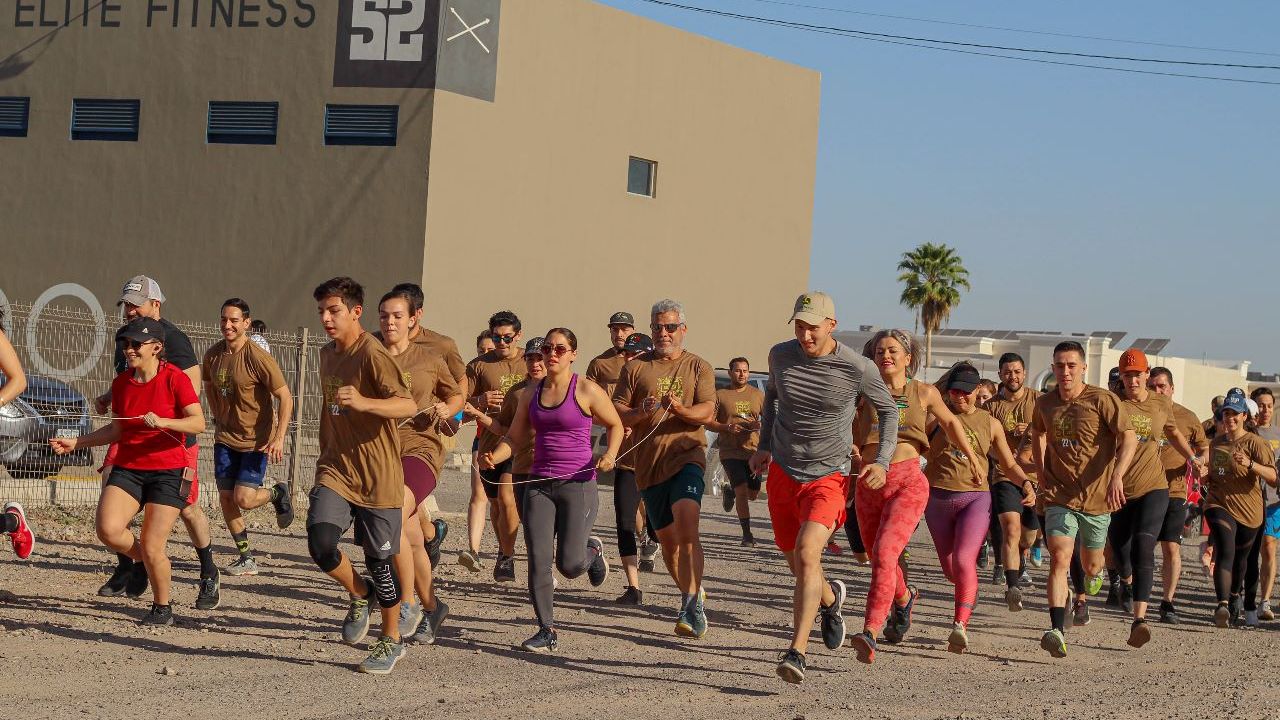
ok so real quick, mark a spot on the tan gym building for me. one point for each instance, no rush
(559, 158)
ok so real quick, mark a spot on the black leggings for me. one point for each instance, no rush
(558, 516)
(852, 532)
(1134, 529)
(1231, 545)
(626, 500)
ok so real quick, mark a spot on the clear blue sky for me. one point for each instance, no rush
(1079, 199)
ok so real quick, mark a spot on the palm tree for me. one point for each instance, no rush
(933, 275)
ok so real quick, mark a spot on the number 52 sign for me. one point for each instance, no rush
(387, 43)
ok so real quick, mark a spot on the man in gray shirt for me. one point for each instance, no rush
(805, 438)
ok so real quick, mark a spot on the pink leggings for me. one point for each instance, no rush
(958, 522)
(886, 518)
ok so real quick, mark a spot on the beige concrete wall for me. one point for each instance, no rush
(207, 221)
(528, 208)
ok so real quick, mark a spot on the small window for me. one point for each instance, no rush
(15, 112)
(243, 123)
(105, 119)
(361, 124)
(640, 176)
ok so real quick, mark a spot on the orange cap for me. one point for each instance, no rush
(1134, 360)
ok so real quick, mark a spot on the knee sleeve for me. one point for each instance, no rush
(322, 543)
(386, 586)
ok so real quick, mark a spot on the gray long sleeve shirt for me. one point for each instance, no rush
(809, 429)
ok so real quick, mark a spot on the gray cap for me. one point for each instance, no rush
(139, 290)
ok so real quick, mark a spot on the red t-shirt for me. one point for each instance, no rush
(141, 447)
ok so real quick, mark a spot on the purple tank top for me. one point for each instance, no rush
(562, 438)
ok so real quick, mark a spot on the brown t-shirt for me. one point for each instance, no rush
(738, 407)
(241, 401)
(360, 452)
(522, 455)
(1149, 420)
(491, 372)
(1234, 487)
(1010, 413)
(444, 347)
(947, 466)
(605, 368)
(912, 418)
(429, 381)
(675, 443)
(1081, 438)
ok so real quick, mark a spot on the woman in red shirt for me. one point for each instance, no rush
(154, 407)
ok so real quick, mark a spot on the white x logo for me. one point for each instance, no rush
(468, 29)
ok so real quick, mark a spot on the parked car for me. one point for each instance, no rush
(47, 409)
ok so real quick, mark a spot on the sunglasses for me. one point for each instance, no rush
(559, 350)
(504, 339)
(135, 345)
(669, 327)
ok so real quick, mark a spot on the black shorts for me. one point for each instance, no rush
(739, 473)
(1175, 519)
(490, 479)
(377, 529)
(173, 488)
(1007, 498)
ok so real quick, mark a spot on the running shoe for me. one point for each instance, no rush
(1126, 598)
(900, 618)
(430, 624)
(833, 632)
(544, 641)
(649, 551)
(791, 667)
(631, 596)
(210, 595)
(727, 497)
(283, 503)
(114, 586)
(137, 582)
(1080, 613)
(504, 569)
(1054, 642)
(984, 555)
(1139, 633)
(698, 614)
(24, 541)
(411, 615)
(1237, 610)
(470, 561)
(1013, 598)
(1222, 616)
(1113, 594)
(958, 641)
(598, 570)
(437, 616)
(159, 615)
(356, 625)
(1251, 618)
(748, 541)
(435, 544)
(1024, 580)
(1093, 585)
(1265, 612)
(383, 656)
(645, 565)
(684, 626)
(864, 647)
(997, 575)
(244, 565)
(832, 549)
(1168, 614)
(1037, 556)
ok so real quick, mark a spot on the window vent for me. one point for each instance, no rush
(15, 112)
(361, 124)
(243, 123)
(105, 119)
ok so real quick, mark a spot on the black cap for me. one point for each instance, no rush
(622, 318)
(638, 343)
(534, 346)
(141, 329)
(1113, 377)
(964, 378)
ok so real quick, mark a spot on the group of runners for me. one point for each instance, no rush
(1101, 476)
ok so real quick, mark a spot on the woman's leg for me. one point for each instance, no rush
(576, 506)
(626, 498)
(157, 523)
(972, 520)
(539, 518)
(1222, 534)
(116, 509)
(1149, 520)
(939, 516)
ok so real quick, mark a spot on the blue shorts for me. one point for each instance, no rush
(238, 467)
(1271, 521)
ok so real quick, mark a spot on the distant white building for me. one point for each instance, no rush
(1196, 381)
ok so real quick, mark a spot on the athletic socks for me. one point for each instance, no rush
(1011, 577)
(9, 522)
(1058, 618)
(123, 560)
(207, 568)
(746, 526)
(276, 492)
(242, 542)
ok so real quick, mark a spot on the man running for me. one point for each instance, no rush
(240, 381)
(1176, 469)
(359, 476)
(805, 435)
(665, 399)
(737, 424)
(1083, 447)
(1013, 407)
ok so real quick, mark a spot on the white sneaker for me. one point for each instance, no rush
(1265, 612)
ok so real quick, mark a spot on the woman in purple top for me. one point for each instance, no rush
(560, 501)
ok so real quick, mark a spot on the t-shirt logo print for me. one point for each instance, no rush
(671, 385)
(407, 379)
(330, 385)
(742, 408)
(223, 380)
(1221, 461)
(506, 382)
(1064, 429)
(972, 437)
(1141, 425)
(387, 30)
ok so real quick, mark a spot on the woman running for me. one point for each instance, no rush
(438, 398)
(560, 501)
(155, 407)
(1239, 460)
(13, 520)
(889, 514)
(959, 506)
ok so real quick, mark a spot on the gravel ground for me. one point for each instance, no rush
(272, 649)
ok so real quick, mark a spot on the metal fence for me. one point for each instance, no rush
(68, 357)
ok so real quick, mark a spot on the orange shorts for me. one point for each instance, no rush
(792, 504)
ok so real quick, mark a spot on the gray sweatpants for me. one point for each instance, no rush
(558, 516)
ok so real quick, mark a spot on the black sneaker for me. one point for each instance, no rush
(791, 667)
(645, 565)
(543, 642)
(437, 543)
(1126, 598)
(137, 582)
(833, 632)
(283, 503)
(984, 555)
(1113, 594)
(900, 618)
(598, 570)
(1236, 607)
(631, 596)
(504, 569)
(210, 595)
(1169, 614)
(997, 574)
(114, 586)
(159, 615)
(727, 498)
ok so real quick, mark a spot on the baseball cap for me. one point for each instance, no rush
(638, 343)
(1253, 406)
(964, 377)
(1236, 401)
(141, 329)
(1134, 360)
(813, 308)
(622, 318)
(1113, 377)
(534, 346)
(139, 290)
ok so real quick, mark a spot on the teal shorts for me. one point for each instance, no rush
(1091, 530)
(661, 498)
